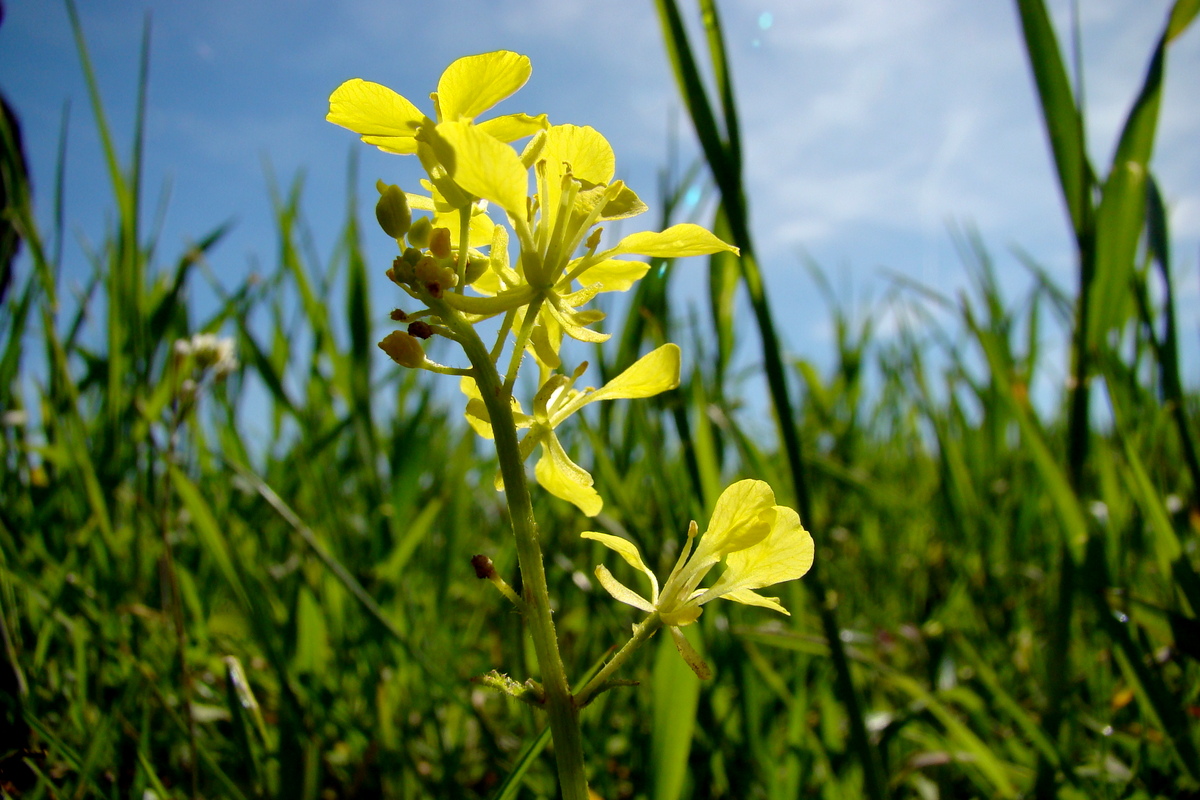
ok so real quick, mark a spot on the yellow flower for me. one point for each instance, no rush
(762, 544)
(472, 166)
(651, 374)
(468, 87)
(573, 170)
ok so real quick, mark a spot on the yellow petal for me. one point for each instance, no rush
(488, 283)
(628, 551)
(743, 516)
(479, 234)
(511, 127)
(545, 341)
(655, 372)
(785, 554)
(482, 165)
(613, 274)
(473, 84)
(620, 591)
(382, 117)
(574, 324)
(566, 480)
(420, 202)
(582, 152)
(583, 149)
(677, 241)
(750, 598)
(476, 412)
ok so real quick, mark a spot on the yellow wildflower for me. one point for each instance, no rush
(762, 544)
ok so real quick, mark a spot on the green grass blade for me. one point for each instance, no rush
(1061, 114)
(723, 279)
(509, 789)
(998, 781)
(1155, 700)
(1004, 700)
(209, 533)
(676, 693)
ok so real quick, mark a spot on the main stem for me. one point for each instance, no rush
(560, 704)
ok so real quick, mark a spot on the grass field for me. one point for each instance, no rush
(1004, 601)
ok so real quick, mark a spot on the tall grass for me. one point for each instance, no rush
(1007, 598)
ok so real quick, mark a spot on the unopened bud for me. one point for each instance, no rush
(439, 242)
(403, 349)
(420, 329)
(392, 210)
(418, 234)
(427, 270)
(475, 268)
(483, 566)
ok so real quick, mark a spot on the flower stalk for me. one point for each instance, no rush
(540, 299)
(560, 706)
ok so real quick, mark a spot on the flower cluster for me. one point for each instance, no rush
(553, 196)
(551, 200)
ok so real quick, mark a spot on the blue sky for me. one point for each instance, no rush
(870, 126)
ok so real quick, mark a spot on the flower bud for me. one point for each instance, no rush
(475, 267)
(427, 270)
(439, 242)
(403, 349)
(418, 234)
(392, 210)
(420, 329)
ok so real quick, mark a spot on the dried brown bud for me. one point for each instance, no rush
(420, 329)
(483, 566)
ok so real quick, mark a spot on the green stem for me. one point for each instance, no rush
(464, 243)
(518, 351)
(560, 704)
(641, 634)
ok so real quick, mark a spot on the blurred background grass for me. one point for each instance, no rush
(1005, 599)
